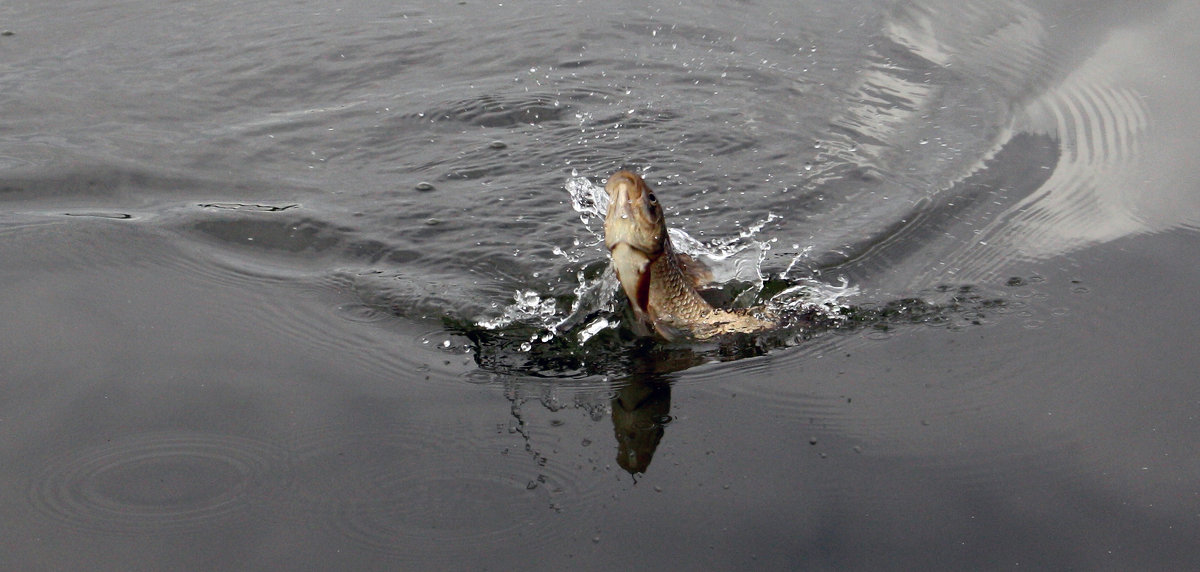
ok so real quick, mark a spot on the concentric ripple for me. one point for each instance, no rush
(1091, 194)
(399, 493)
(158, 483)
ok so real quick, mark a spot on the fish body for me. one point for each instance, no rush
(660, 282)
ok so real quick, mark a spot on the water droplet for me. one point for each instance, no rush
(498, 145)
(424, 187)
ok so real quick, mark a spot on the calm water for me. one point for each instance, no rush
(295, 286)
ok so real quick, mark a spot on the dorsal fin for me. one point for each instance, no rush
(697, 273)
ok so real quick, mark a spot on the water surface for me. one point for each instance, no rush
(299, 286)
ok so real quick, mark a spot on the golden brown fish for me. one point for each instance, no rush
(660, 282)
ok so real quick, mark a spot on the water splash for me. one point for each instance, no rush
(734, 261)
(589, 200)
(808, 297)
(527, 305)
(736, 258)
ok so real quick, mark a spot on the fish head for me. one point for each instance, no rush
(635, 234)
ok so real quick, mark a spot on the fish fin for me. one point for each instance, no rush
(669, 331)
(697, 272)
(640, 327)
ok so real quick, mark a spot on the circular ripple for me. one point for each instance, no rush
(362, 313)
(415, 495)
(426, 514)
(165, 482)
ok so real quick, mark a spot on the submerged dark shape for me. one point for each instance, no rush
(659, 281)
(640, 411)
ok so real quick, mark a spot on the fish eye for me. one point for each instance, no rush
(652, 210)
(651, 198)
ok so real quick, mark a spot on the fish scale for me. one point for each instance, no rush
(661, 291)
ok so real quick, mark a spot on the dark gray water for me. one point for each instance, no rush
(300, 286)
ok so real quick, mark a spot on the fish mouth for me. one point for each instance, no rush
(625, 184)
(622, 225)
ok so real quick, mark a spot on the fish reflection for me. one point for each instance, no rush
(641, 408)
(640, 413)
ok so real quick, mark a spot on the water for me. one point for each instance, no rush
(300, 286)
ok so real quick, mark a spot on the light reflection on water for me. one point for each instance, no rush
(239, 329)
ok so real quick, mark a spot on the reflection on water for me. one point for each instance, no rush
(639, 370)
(640, 414)
(292, 286)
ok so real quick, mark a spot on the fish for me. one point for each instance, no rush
(659, 281)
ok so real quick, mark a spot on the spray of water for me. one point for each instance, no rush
(734, 259)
